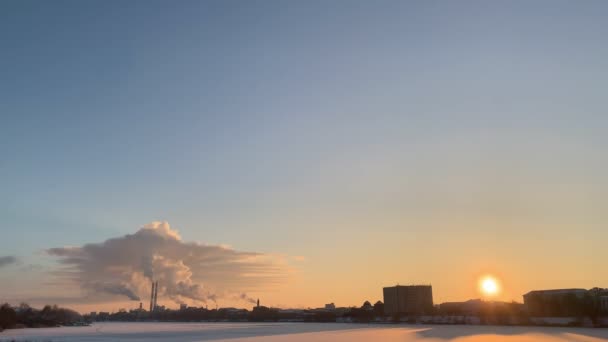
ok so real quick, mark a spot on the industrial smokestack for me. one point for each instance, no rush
(155, 294)
(152, 298)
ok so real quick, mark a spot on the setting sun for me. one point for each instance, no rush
(489, 286)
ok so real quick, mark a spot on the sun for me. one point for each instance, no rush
(489, 286)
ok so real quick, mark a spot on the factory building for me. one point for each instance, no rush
(555, 303)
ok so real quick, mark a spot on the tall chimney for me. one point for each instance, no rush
(152, 298)
(155, 294)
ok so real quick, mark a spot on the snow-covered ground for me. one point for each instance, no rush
(300, 332)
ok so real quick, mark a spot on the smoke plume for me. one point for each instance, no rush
(185, 271)
(248, 299)
(117, 289)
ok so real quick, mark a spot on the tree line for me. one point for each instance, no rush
(24, 316)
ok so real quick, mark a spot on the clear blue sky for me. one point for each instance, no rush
(308, 128)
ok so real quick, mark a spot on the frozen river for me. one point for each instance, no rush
(300, 332)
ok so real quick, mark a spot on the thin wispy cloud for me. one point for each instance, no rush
(300, 258)
(7, 260)
(186, 271)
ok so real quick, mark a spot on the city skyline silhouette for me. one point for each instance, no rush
(303, 152)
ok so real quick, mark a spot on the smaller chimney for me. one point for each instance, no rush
(152, 298)
(155, 294)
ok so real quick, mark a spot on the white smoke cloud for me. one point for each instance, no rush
(185, 271)
(117, 289)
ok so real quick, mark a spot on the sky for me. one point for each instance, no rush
(332, 147)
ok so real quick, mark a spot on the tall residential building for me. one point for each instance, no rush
(600, 296)
(408, 300)
(603, 304)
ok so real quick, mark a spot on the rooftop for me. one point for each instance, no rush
(555, 291)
